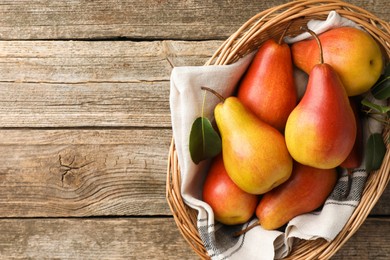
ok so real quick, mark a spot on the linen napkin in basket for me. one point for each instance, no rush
(186, 103)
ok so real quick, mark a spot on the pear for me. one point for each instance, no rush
(230, 204)
(355, 157)
(321, 130)
(305, 191)
(353, 53)
(268, 87)
(254, 153)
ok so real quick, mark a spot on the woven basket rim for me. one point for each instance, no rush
(246, 39)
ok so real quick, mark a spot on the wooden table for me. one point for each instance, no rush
(85, 125)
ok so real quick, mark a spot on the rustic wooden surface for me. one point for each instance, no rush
(85, 125)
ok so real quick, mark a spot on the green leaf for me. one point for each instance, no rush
(381, 89)
(376, 107)
(375, 152)
(205, 142)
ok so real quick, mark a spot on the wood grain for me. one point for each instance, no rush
(98, 61)
(132, 238)
(371, 241)
(77, 84)
(91, 172)
(150, 19)
(85, 105)
(140, 238)
(67, 173)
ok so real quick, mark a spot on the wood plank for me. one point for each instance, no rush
(130, 104)
(371, 241)
(98, 61)
(83, 172)
(76, 84)
(141, 238)
(74, 173)
(382, 207)
(133, 238)
(157, 19)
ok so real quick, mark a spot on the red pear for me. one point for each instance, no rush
(268, 87)
(355, 157)
(230, 204)
(321, 130)
(306, 190)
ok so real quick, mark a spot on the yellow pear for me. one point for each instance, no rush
(254, 153)
(353, 53)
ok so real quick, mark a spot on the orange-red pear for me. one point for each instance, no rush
(321, 130)
(230, 204)
(305, 191)
(268, 87)
(355, 157)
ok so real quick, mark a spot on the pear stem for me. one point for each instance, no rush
(318, 42)
(284, 32)
(214, 92)
(239, 233)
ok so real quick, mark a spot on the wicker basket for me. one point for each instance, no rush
(267, 24)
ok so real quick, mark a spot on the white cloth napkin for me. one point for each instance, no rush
(185, 103)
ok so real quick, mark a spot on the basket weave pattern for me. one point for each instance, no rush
(270, 24)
